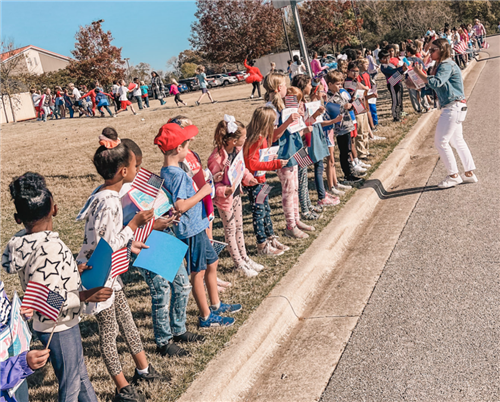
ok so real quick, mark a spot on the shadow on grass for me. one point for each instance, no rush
(383, 194)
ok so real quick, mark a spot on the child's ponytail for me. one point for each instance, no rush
(227, 129)
(111, 155)
(272, 83)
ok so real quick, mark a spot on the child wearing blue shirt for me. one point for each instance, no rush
(202, 260)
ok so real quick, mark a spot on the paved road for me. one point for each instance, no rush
(431, 330)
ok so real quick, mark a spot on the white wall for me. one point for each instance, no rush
(22, 105)
(281, 59)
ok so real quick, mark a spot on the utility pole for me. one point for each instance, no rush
(128, 67)
(300, 34)
(286, 34)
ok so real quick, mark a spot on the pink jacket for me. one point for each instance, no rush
(216, 163)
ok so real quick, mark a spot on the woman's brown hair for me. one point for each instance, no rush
(444, 48)
(262, 124)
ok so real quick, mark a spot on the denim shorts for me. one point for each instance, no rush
(200, 253)
(204, 90)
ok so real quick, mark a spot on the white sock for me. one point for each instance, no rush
(216, 306)
(143, 371)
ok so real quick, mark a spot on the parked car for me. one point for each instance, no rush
(191, 83)
(240, 75)
(213, 82)
(224, 79)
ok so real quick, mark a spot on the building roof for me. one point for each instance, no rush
(13, 53)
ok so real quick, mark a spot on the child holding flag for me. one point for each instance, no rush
(49, 276)
(230, 135)
(202, 260)
(103, 217)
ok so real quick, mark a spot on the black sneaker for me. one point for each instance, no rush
(128, 394)
(350, 180)
(151, 376)
(189, 337)
(172, 350)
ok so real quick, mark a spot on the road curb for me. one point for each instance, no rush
(231, 373)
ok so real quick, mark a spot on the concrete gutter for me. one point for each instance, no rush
(230, 375)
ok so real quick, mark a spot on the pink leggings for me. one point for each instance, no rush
(289, 177)
(232, 221)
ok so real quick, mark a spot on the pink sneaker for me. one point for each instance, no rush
(329, 201)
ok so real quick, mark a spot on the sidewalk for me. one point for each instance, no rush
(430, 330)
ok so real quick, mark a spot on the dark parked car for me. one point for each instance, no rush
(191, 83)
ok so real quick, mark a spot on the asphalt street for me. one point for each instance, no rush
(431, 328)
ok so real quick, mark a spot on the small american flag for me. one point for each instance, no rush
(291, 102)
(218, 246)
(147, 182)
(40, 298)
(302, 158)
(486, 45)
(142, 233)
(119, 262)
(395, 78)
(460, 48)
(263, 193)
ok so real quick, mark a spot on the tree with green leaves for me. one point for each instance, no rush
(188, 70)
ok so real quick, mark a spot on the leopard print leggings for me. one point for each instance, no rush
(118, 316)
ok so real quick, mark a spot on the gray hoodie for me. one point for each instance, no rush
(42, 257)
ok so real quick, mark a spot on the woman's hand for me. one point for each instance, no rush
(37, 358)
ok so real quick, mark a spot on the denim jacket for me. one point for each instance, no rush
(447, 82)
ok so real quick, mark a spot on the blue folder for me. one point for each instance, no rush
(101, 265)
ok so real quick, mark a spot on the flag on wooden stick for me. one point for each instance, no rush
(142, 233)
(302, 158)
(40, 298)
(119, 262)
(147, 182)
(395, 78)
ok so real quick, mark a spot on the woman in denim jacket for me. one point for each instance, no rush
(446, 80)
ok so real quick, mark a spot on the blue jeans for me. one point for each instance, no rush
(168, 320)
(66, 356)
(373, 112)
(139, 101)
(318, 179)
(146, 100)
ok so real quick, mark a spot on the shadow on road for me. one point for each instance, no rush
(383, 194)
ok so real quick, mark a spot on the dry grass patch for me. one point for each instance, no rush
(62, 151)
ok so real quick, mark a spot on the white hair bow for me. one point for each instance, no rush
(232, 127)
(342, 57)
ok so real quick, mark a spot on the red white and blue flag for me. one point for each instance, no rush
(119, 262)
(486, 45)
(218, 246)
(302, 158)
(142, 233)
(291, 102)
(40, 298)
(460, 48)
(395, 78)
(147, 182)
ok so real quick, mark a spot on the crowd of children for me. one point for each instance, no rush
(346, 114)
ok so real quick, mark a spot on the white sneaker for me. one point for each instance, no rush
(471, 179)
(255, 266)
(450, 182)
(358, 169)
(251, 96)
(343, 187)
(337, 191)
(268, 249)
(246, 270)
(362, 164)
(377, 138)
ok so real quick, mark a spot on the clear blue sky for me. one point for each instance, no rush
(148, 31)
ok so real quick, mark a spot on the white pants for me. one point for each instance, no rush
(449, 134)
